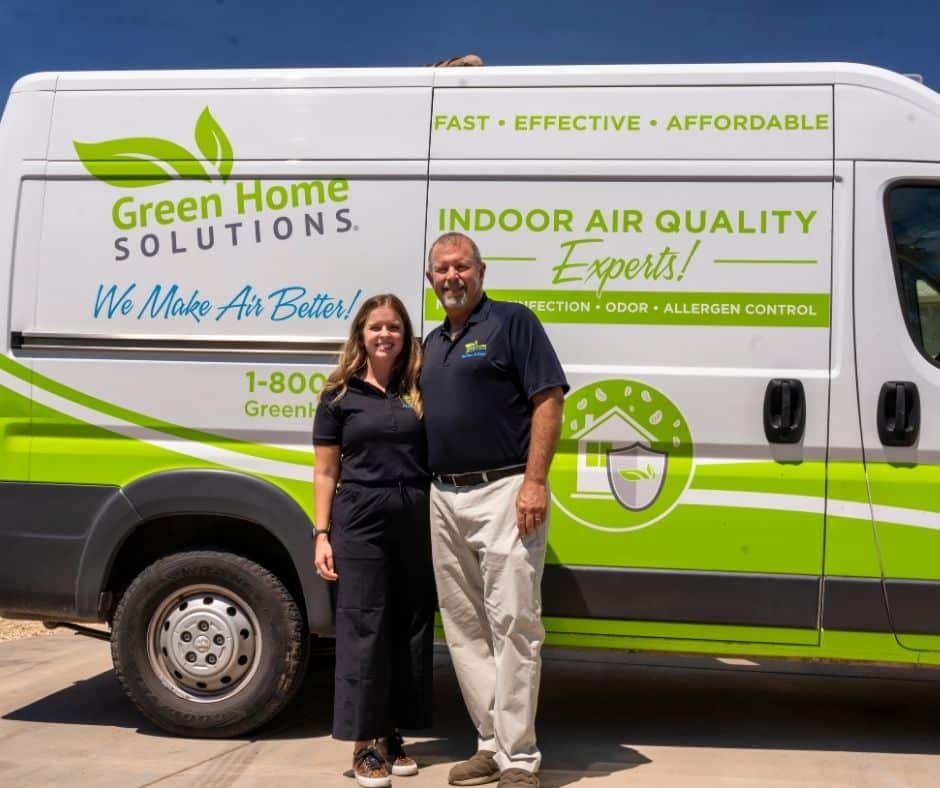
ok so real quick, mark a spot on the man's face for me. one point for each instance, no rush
(455, 277)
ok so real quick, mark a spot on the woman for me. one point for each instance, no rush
(371, 500)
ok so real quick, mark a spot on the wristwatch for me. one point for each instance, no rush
(318, 531)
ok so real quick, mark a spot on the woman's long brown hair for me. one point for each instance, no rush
(353, 356)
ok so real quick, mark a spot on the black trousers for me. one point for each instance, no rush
(385, 602)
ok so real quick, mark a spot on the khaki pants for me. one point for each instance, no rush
(489, 592)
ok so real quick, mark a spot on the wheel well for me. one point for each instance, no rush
(155, 538)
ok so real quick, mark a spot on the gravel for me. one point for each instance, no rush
(14, 629)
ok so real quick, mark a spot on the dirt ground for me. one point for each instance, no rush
(12, 629)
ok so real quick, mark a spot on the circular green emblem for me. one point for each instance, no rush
(625, 456)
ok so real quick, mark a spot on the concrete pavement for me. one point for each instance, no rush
(629, 721)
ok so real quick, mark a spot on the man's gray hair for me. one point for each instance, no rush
(452, 239)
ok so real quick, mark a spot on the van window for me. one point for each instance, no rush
(914, 219)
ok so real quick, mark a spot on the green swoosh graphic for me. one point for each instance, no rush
(143, 420)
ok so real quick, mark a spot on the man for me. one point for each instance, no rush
(492, 387)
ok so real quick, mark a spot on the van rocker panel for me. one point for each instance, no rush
(855, 604)
(693, 597)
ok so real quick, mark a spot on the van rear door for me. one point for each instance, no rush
(23, 141)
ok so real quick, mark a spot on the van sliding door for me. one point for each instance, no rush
(684, 279)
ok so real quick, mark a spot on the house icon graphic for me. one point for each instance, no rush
(612, 431)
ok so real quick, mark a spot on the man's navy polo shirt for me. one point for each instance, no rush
(477, 389)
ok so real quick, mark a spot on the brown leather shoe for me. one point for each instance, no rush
(518, 778)
(479, 769)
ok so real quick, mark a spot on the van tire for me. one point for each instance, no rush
(207, 643)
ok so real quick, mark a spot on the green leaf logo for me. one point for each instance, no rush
(214, 144)
(133, 162)
(638, 474)
(138, 161)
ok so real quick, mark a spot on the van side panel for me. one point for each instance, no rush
(271, 124)
(190, 242)
(875, 125)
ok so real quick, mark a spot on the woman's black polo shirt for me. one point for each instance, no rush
(477, 389)
(381, 439)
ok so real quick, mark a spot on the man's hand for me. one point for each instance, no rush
(532, 501)
(531, 507)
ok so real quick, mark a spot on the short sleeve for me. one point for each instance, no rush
(535, 358)
(327, 422)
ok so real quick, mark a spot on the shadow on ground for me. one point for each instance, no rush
(100, 700)
(595, 718)
(570, 754)
(738, 708)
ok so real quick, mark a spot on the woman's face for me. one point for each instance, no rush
(383, 335)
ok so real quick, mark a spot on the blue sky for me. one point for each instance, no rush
(41, 35)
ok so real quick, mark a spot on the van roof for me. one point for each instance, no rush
(881, 115)
(489, 76)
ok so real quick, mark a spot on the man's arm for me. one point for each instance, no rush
(532, 501)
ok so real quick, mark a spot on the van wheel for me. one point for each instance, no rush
(209, 644)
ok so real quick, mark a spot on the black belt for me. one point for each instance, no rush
(478, 477)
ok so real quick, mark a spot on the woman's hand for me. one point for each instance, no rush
(325, 475)
(323, 558)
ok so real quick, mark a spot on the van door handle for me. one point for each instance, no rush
(899, 413)
(784, 411)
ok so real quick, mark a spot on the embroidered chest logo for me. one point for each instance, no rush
(474, 349)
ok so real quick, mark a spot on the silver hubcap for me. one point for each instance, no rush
(204, 643)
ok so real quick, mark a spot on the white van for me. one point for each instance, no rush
(739, 267)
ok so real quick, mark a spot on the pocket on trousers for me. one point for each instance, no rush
(359, 521)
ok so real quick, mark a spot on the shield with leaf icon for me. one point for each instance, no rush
(636, 474)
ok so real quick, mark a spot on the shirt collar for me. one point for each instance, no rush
(356, 382)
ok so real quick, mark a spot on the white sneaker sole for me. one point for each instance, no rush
(373, 782)
(405, 771)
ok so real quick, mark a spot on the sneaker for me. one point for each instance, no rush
(370, 769)
(392, 749)
(480, 769)
(518, 778)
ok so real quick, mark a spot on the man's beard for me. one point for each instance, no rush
(457, 299)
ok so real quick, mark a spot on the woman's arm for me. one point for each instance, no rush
(325, 476)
